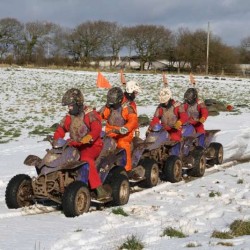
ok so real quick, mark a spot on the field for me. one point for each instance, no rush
(197, 210)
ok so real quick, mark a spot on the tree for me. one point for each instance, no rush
(87, 41)
(147, 41)
(10, 31)
(244, 50)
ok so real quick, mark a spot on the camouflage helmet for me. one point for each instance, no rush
(114, 96)
(72, 96)
(190, 96)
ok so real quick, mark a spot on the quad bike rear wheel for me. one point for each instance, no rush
(120, 189)
(199, 165)
(215, 151)
(76, 199)
(172, 169)
(19, 192)
(151, 173)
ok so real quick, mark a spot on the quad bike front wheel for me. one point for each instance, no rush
(120, 189)
(172, 169)
(151, 173)
(199, 165)
(19, 192)
(76, 199)
(215, 151)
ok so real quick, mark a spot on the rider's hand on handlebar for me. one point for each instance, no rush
(86, 139)
(202, 120)
(178, 124)
(123, 130)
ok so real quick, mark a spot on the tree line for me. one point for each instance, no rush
(46, 43)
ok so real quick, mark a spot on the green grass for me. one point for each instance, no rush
(213, 194)
(237, 228)
(171, 232)
(119, 211)
(132, 243)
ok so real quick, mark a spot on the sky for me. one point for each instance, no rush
(228, 19)
(188, 207)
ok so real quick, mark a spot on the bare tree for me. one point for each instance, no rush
(115, 42)
(35, 37)
(10, 31)
(87, 41)
(244, 50)
(147, 41)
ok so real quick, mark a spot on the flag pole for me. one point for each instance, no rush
(208, 31)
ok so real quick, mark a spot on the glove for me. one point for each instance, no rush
(87, 139)
(178, 124)
(123, 130)
(202, 120)
(74, 143)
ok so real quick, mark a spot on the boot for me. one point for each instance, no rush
(102, 193)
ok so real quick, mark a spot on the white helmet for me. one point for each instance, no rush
(132, 86)
(165, 95)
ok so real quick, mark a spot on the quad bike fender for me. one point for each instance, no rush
(113, 160)
(65, 166)
(209, 135)
(32, 160)
(112, 173)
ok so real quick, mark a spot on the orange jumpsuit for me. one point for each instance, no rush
(125, 116)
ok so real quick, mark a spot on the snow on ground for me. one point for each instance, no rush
(187, 207)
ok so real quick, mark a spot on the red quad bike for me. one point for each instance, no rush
(63, 179)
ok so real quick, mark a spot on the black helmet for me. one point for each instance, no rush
(73, 96)
(114, 97)
(190, 96)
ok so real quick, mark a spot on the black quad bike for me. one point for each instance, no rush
(63, 179)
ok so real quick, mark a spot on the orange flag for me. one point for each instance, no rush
(123, 80)
(164, 78)
(191, 78)
(102, 82)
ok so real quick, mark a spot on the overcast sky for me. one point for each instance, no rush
(229, 19)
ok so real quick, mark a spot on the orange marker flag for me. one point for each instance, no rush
(164, 78)
(192, 80)
(102, 82)
(123, 80)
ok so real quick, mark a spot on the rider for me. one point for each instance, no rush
(197, 112)
(84, 127)
(121, 120)
(171, 115)
(131, 90)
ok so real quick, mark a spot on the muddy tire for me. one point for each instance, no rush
(120, 189)
(172, 169)
(19, 192)
(217, 150)
(76, 199)
(199, 166)
(151, 173)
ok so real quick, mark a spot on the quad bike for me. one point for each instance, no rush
(145, 171)
(63, 179)
(213, 151)
(153, 155)
(171, 165)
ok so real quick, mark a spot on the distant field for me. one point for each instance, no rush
(31, 98)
